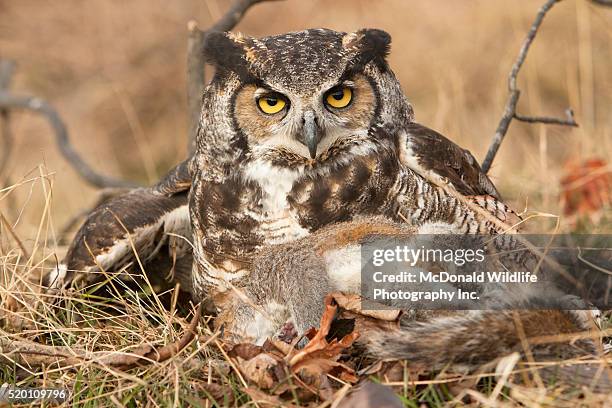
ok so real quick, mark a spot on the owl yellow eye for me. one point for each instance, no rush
(271, 104)
(339, 97)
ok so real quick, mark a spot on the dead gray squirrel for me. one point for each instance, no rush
(289, 282)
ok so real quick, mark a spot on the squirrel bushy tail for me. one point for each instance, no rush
(471, 339)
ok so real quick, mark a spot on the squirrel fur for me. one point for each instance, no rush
(290, 281)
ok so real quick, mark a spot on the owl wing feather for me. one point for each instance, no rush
(433, 156)
(177, 180)
(144, 225)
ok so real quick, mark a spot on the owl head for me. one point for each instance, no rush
(299, 97)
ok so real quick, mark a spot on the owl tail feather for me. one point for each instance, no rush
(470, 340)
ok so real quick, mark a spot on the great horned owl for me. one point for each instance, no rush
(298, 131)
(310, 128)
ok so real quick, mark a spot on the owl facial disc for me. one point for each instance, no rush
(297, 99)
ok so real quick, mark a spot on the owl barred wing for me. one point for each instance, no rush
(435, 209)
(140, 222)
(152, 223)
(498, 209)
(433, 156)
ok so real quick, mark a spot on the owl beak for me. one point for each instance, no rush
(311, 134)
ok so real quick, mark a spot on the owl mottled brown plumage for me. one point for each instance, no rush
(298, 131)
(306, 129)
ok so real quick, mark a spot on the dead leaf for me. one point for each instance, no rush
(246, 351)
(318, 342)
(366, 321)
(279, 347)
(222, 395)
(320, 358)
(269, 365)
(365, 325)
(263, 399)
(263, 370)
(313, 367)
(586, 188)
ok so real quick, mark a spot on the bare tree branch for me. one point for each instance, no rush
(514, 93)
(196, 61)
(195, 80)
(603, 2)
(234, 14)
(548, 120)
(10, 101)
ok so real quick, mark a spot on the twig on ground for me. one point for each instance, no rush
(168, 351)
(196, 61)
(25, 352)
(514, 93)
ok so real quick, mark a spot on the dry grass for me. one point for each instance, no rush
(115, 70)
(123, 318)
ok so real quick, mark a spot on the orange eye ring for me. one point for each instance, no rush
(271, 104)
(339, 97)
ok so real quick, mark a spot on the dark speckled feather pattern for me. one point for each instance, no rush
(435, 153)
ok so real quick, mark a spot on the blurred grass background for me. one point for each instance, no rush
(115, 70)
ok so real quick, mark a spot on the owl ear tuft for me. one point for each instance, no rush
(226, 52)
(370, 44)
(374, 42)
